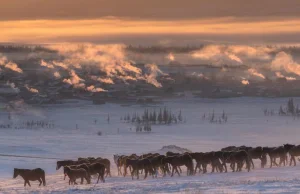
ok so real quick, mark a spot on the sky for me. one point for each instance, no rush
(150, 22)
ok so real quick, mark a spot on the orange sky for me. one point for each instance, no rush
(49, 30)
(34, 21)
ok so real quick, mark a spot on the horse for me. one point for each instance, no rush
(124, 162)
(169, 153)
(229, 149)
(203, 159)
(140, 164)
(80, 166)
(37, 174)
(74, 174)
(180, 160)
(293, 151)
(117, 160)
(239, 158)
(106, 163)
(277, 152)
(97, 168)
(156, 164)
(62, 163)
(256, 153)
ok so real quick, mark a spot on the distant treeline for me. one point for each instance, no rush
(290, 110)
(164, 117)
(24, 48)
(189, 48)
(163, 49)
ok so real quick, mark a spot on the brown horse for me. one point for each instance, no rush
(118, 162)
(294, 151)
(255, 153)
(37, 174)
(97, 168)
(229, 149)
(277, 152)
(156, 163)
(239, 158)
(106, 163)
(124, 164)
(63, 163)
(174, 154)
(74, 174)
(139, 164)
(80, 166)
(181, 160)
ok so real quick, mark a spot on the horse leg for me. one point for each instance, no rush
(40, 180)
(177, 171)
(252, 163)
(212, 167)
(146, 173)
(225, 167)
(204, 168)
(102, 178)
(275, 162)
(197, 166)
(294, 160)
(233, 166)
(188, 171)
(28, 183)
(121, 171)
(81, 181)
(132, 174)
(173, 169)
(124, 171)
(98, 177)
(291, 160)
(25, 182)
(271, 162)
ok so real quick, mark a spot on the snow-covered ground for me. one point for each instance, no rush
(246, 125)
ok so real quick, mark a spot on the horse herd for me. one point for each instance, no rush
(170, 163)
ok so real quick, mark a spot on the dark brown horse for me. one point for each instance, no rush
(181, 160)
(106, 163)
(256, 153)
(63, 163)
(139, 164)
(97, 168)
(124, 162)
(37, 174)
(239, 158)
(74, 174)
(277, 152)
(118, 162)
(229, 149)
(174, 154)
(294, 151)
(156, 163)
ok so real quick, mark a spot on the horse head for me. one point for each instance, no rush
(16, 173)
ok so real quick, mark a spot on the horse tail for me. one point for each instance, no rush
(43, 178)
